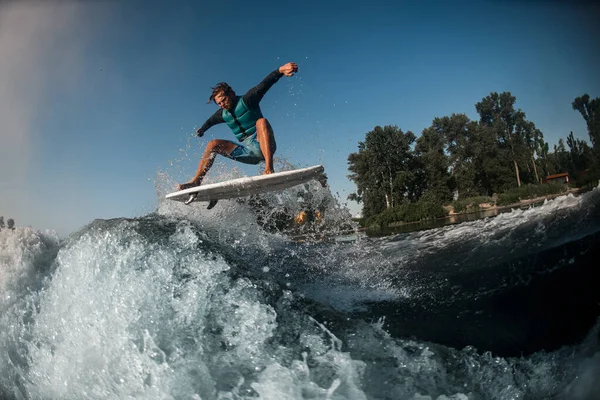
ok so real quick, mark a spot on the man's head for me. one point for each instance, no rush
(223, 96)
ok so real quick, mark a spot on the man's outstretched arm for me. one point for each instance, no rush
(253, 97)
(216, 118)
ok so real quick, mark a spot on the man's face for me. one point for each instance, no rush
(224, 101)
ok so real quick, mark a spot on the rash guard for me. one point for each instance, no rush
(242, 117)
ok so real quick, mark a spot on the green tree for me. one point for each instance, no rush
(368, 193)
(590, 111)
(491, 163)
(457, 131)
(10, 223)
(478, 165)
(1, 223)
(559, 159)
(497, 111)
(430, 151)
(383, 169)
(580, 155)
(544, 159)
(534, 143)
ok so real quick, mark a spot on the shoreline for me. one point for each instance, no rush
(491, 209)
(526, 202)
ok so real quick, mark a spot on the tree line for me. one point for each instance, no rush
(10, 223)
(456, 157)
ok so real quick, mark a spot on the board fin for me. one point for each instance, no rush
(211, 204)
(322, 179)
(191, 198)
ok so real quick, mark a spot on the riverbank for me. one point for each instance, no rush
(520, 204)
(485, 210)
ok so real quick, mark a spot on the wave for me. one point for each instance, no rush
(186, 304)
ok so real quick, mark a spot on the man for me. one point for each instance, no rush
(243, 116)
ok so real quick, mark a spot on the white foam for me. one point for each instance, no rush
(24, 256)
(128, 316)
(121, 314)
(109, 300)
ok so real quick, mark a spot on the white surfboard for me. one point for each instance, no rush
(248, 186)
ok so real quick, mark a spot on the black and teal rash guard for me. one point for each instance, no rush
(242, 117)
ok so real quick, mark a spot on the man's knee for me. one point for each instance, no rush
(217, 146)
(262, 124)
(212, 145)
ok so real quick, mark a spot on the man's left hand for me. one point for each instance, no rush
(289, 69)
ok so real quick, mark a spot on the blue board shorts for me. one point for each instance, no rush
(248, 151)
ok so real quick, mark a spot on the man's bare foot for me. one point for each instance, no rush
(268, 171)
(183, 186)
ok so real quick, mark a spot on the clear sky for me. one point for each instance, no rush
(98, 98)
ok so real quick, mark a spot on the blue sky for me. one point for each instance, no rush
(97, 97)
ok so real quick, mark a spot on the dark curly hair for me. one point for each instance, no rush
(221, 87)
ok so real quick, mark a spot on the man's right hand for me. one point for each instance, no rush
(289, 69)
(199, 132)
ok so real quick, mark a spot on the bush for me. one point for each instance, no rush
(507, 198)
(529, 192)
(588, 181)
(409, 212)
(470, 203)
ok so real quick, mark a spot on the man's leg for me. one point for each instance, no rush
(214, 147)
(266, 139)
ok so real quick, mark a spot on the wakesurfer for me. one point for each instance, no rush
(243, 116)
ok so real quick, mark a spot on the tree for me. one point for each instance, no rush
(544, 159)
(458, 164)
(580, 155)
(590, 111)
(497, 112)
(367, 192)
(430, 150)
(1, 223)
(559, 159)
(491, 163)
(534, 142)
(10, 223)
(478, 165)
(383, 169)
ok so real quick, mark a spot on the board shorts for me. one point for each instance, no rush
(248, 151)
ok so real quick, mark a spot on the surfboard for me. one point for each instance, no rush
(248, 186)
